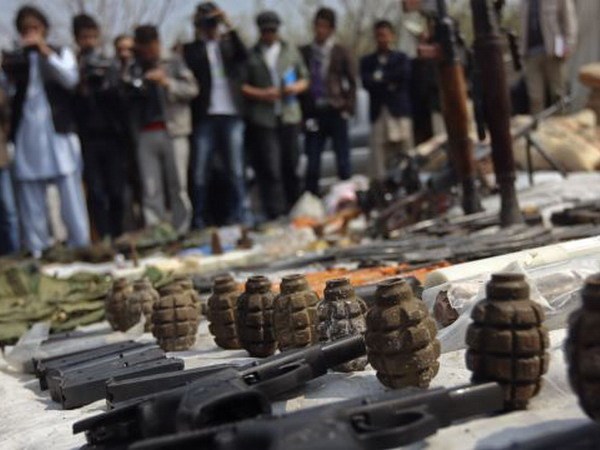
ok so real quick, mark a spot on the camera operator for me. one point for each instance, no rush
(217, 60)
(47, 150)
(102, 130)
(159, 94)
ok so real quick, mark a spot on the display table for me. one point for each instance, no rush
(29, 419)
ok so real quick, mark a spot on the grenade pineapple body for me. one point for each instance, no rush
(342, 314)
(146, 296)
(175, 317)
(507, 342)
(120, 312)
(400, 338)
(222, 313)
(583, 348)
(295, 314)
(255, 318)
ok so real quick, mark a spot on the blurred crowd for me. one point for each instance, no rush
(130, 141)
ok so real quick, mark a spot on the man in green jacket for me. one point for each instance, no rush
(274, 77)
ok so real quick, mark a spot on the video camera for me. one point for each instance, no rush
(95, 69)
(134, 80)
(15, 62)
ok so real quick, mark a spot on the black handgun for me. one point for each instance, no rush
(219, 396)
(388, 420)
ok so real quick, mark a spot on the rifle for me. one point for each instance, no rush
(218, 396)
(453, 96)
(388, 420)
(496, 105)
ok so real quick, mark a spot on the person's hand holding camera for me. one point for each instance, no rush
(36, 41)
(222, 17)
(158, 76)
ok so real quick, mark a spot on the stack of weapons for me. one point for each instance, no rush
(229, 406)
(156, 404)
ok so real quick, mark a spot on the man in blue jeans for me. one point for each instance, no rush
(9, 221)
(330, 100)
(217, 60)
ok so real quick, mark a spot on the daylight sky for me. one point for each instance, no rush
(177, 24)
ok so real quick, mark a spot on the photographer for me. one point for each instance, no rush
(159, 92)
(217, 60)
(47, 150)
(101, 130)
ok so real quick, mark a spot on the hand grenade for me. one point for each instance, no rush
(295, 314)
(255, 317)
(120, 312)
(175, 318)
(185, 285)
(400, 338)
(583, 348)
(342, 314)
(507, 342)
(146, 296)
(222, 313)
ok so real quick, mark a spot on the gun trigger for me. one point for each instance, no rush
(289, 377)
(394, 428)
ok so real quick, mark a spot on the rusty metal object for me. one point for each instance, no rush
(443, 312)
(507, 342)
(120, 312)
(453, 101)
(222, 313)
(583, 349)
(400, 337)
(255, 317)
(215, 243)
(184, 285)
(146, 296)
(341, 313)
(295, 314)
(489, 58)
(245, 241)
(175, 317)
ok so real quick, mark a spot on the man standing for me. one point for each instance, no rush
(275, 75)
(330, 101)
(160, 91)
(9, 220)
(47, 150)
(102, 130)
(124, 56)
(386, 76)
(548, 38)
(217, 60)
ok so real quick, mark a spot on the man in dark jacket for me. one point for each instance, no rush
(102, 130)
(160, 90)
(217, 60)
(386, 76)
(330, 100)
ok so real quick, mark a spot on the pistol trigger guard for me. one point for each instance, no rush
(404, 427)
(290, 377)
